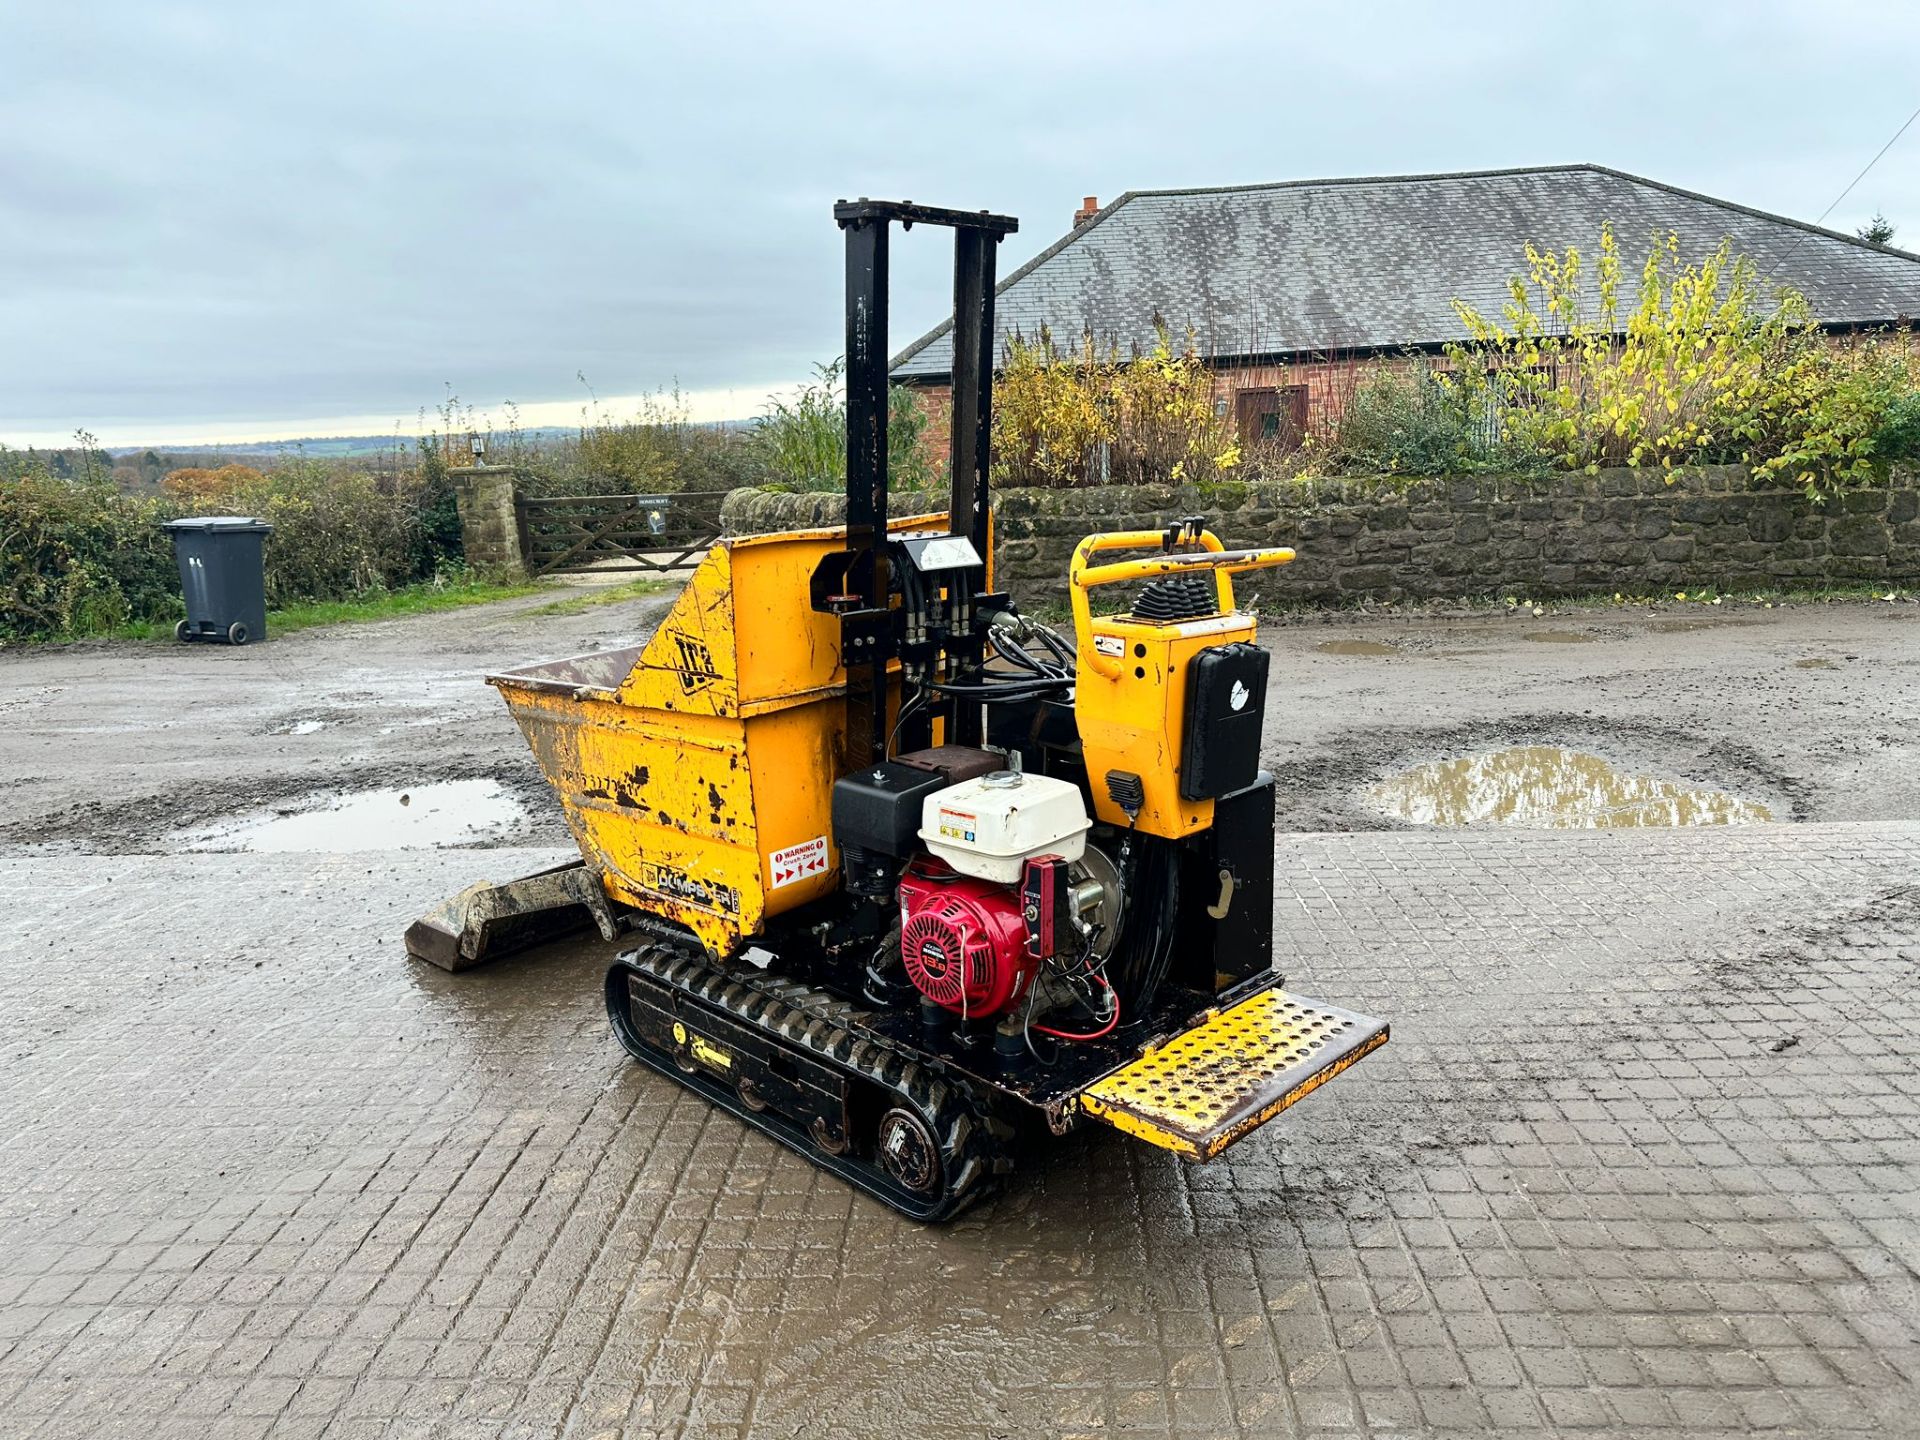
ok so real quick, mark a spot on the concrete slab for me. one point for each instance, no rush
(1641, 1158)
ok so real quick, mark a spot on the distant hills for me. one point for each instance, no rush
(342, 447)
(324, 446)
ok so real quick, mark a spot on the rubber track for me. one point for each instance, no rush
(974, 1144)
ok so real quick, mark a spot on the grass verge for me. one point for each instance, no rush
(414, 600)
(418, 599)
(612, 595)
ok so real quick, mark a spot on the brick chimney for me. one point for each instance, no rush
(1089, 207)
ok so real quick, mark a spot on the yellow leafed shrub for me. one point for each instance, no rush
(1707, 364)
(1092, 417)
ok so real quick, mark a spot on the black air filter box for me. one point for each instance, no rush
(1226, 708)
(878, 809)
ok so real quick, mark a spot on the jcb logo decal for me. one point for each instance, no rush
(696, 663)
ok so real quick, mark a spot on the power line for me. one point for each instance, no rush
(1878, 155)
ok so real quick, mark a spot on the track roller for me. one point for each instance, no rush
(803, 1067)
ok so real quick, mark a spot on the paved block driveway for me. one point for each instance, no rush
(1641, 1157)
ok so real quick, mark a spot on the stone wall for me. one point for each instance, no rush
(489, 527)
(1392, 538)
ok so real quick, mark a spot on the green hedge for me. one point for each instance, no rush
(79, 557)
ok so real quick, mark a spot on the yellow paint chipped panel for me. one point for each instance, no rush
(697, 770)
(690, 666)
(1206, 1088)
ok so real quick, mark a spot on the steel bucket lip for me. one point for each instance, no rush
(597, 672)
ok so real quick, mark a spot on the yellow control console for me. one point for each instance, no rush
(1135, 675)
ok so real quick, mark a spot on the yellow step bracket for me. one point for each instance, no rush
(1208, 1087)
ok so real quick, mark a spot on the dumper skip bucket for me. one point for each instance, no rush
(697, 770)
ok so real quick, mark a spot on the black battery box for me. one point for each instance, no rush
(1226, 709)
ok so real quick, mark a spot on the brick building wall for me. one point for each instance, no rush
(1328, 384)
(936, 403)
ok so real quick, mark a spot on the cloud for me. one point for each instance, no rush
(230, 215)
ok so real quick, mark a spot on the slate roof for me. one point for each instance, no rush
(1372, 264)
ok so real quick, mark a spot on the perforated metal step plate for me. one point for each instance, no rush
(1206, 1088)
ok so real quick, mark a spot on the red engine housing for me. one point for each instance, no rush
(963, 940)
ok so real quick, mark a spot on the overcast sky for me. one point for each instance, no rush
(227, 220)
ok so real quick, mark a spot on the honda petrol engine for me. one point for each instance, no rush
(963, 941)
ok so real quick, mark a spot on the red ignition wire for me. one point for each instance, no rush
(1106, 1029)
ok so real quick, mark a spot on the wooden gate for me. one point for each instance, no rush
(616, 532)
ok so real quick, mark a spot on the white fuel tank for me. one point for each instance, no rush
(989, 827)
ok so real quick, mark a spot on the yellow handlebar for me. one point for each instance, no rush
(1214, 557)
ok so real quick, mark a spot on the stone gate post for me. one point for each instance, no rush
(489, 526)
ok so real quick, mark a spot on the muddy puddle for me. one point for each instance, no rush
(1356, 647)
(445, 814)
(1548, 787)
(1560, 637)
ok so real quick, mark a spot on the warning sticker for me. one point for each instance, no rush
(797, 862)
(1109, 645)
(957, 824)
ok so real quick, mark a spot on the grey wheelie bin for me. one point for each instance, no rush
(223, 575)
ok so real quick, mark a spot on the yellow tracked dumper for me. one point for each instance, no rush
(903, 865)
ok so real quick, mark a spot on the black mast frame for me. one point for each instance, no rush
(869, 639)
